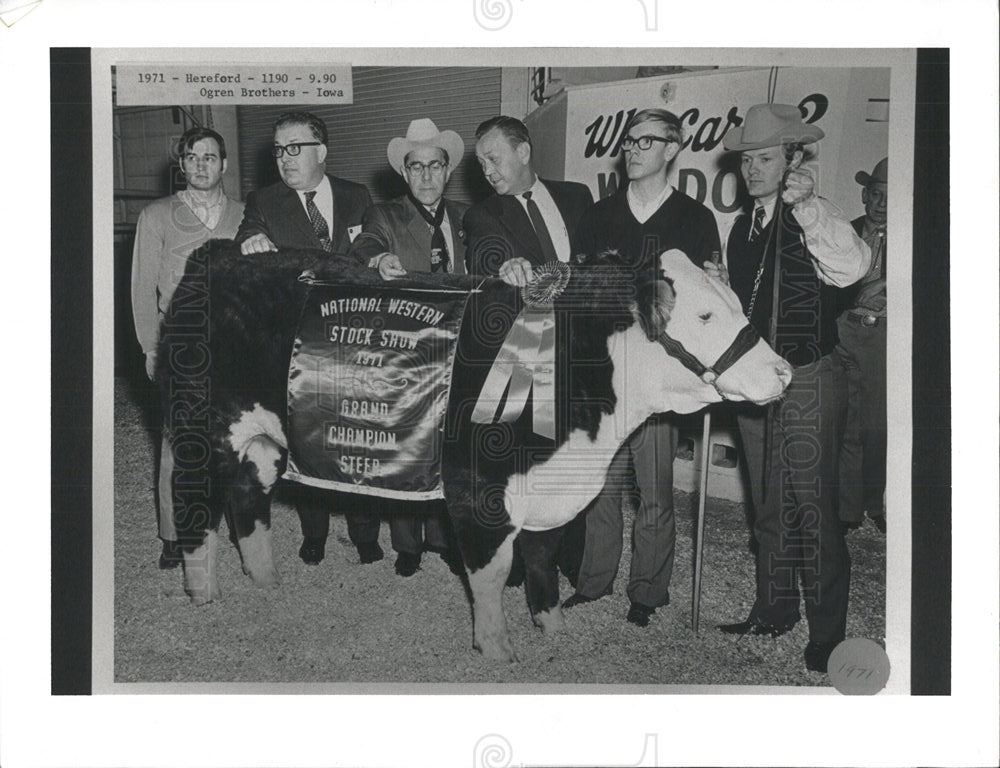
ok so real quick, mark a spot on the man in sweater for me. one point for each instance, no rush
(640, 222)
(788, 262)
(167, 231)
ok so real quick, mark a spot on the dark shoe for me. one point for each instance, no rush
(452, 558)
(370, 552)
(313, 550)
(171, 556)
(407, 563)
(755, 627)
(577, 599)
(639, 614)
(817, 654)
(878, 521)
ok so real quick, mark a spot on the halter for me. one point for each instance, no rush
(745, 340)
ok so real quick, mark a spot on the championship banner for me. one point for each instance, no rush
(368, 388)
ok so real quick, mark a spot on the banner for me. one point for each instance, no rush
(368, 387)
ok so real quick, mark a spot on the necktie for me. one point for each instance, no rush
(878, 253)
(544, 238)
(439, 246)
(319, 224)
(758, 223)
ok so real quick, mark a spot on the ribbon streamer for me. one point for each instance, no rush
(526, 362)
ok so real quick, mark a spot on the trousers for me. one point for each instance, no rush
(794, 492)
(863, 453)
(643, 470)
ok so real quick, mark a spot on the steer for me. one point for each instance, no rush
(627, 346)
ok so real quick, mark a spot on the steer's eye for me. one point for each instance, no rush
(705, 317)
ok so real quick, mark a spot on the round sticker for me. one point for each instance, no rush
(858, 667)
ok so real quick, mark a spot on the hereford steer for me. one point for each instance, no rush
(626, 347)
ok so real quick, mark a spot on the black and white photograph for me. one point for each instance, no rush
(441, 461)
(409, 400)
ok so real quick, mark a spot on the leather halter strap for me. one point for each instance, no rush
(745, 340)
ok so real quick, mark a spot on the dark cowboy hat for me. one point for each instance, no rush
(879, 174)
(770, 125)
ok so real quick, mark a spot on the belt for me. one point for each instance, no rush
(868, 321)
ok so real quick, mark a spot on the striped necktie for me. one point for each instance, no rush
(319, 224)
(758, 223)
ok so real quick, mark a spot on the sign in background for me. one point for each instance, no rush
(849, 104)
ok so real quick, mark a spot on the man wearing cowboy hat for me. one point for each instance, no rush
(419, 231)
(787, 262)
(862, 331)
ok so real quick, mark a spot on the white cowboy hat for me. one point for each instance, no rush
(770, 125)
(423, 133)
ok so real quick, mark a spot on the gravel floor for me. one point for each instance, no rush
(347, 622)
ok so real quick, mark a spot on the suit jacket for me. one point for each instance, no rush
(499, 229)
(397, 227)
(277, 212)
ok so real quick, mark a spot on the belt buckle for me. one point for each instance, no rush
(869, 321)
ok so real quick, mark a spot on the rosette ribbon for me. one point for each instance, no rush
(526, 363)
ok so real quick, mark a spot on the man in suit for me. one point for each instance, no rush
(788, 263)
(281, 215)
(862, 347)
(530, 220)
(310, 209)
(421, 232)
(640, 222)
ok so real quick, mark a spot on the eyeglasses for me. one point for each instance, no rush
(293, 149)
(417, 169)
(642, 142)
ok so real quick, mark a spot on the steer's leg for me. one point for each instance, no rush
(489, 625)
(197, 513)
(250, 503)
(542, 579)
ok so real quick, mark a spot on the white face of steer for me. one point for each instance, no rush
(705, 316)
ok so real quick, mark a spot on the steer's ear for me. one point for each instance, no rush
(654, 303)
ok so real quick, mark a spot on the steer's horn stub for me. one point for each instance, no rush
(548, 281)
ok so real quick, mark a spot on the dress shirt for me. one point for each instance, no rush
(840, 257)
(642, 211)
(323, 201)
(550, 213)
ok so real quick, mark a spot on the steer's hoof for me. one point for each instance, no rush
(204, 594)
(496, 649)
(265, 577)
(550, 621)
